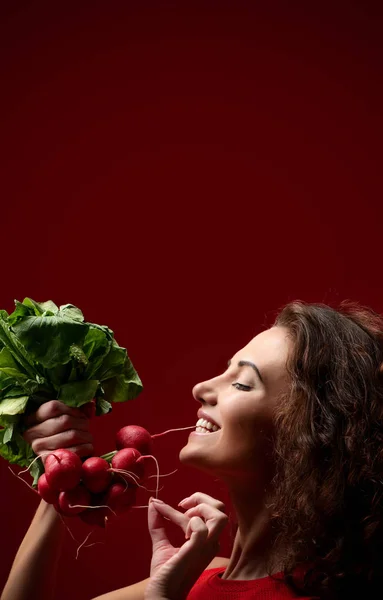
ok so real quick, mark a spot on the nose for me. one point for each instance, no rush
(205, 393)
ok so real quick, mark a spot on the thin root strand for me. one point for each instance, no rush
(164, 475)
(84, 506)
(170, 430)
(81, 545)
(158, 470)
(23, 480)
(34, 460)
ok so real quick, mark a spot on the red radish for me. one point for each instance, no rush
(45, 491)
(134, 436)
(73, 502)
(126, 460)
(63, 470)
(120, 497)
(96, 474)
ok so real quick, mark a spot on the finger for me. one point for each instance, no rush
(55, 425)
(156, 525)
(82, 450)
(170, 513)
(200, 497)
(214, 519)
(66, 439)
(51, 409)
(196, 553)
(198, 528)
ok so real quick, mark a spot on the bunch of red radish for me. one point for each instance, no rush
(97, 489)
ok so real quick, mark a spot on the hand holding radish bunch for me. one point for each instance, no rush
(72, 485)
(55, 425)
(101, 486)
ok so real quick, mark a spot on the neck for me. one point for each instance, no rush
(253, 541)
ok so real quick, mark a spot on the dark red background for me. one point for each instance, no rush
(180, 171)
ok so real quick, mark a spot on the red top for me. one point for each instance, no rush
(210, 586)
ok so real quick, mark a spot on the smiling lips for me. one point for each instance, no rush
(205, 426)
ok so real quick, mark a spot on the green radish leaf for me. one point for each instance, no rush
(17, 350)
(8, 433)
(114, 363)
(77, 393)
(72, 312)
(48, 339)
(14, 373)
(40, 308)
(103, 407)
(7, 360)
(97, 344)
(20, 312)
(11, 373)
(123, 387)
(17, 451)
(30, 386)
(7, 420)
(14, 391)
(36, 470)
(13, 406)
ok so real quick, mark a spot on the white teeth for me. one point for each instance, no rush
(203, 426)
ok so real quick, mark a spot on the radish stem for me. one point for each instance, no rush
(109, 455)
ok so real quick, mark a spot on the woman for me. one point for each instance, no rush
(294, 427)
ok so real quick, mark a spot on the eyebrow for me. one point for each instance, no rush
(248, 363)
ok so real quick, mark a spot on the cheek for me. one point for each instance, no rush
(247, 424)
(245, 412)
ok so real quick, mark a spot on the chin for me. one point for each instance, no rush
(184, 454)
(194, 457)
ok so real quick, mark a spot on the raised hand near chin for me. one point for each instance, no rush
(174, 571)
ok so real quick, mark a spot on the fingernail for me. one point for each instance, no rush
(183, 501)
(157, 500)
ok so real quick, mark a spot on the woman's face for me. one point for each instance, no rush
(240, 402)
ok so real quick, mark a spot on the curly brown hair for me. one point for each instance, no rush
(328, 508)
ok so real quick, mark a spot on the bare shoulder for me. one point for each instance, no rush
(218, 561)
(137, 590)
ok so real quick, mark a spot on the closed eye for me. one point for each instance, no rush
(241, 386)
